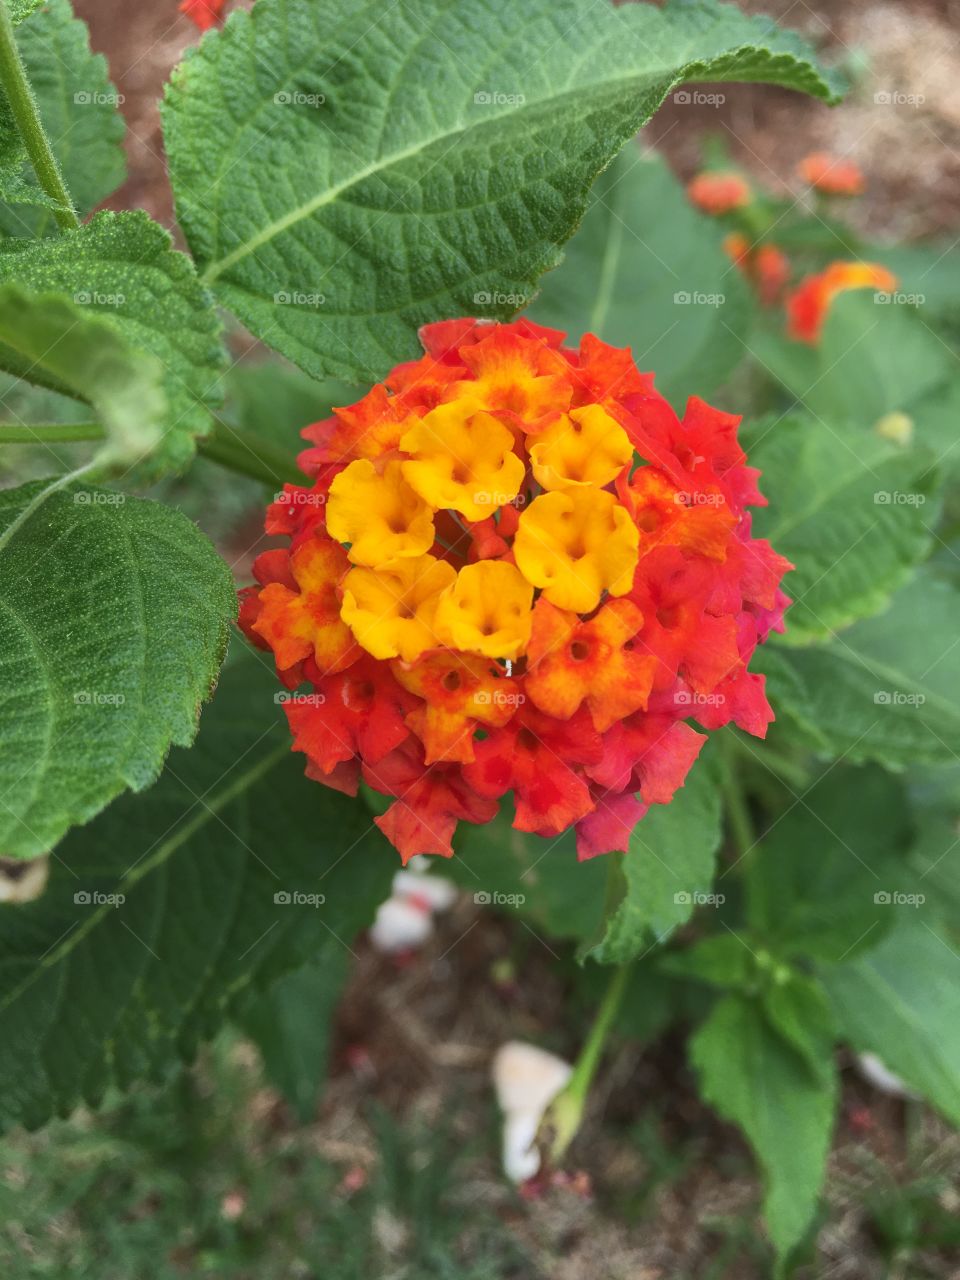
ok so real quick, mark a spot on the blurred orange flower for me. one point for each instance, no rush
(832, 175)
(717, 193)
(809, 303)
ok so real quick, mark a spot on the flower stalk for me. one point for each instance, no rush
(565, 1115)
(23, 105)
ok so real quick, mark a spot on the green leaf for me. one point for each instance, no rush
(429, 160)
(720, 960)
(901, 1001)
(81, 352)
(537, 879)
(79, 108)
(275, 401)
(290, 1023)
(667, 871)
(935, 854)
(216, 866)
(647, 271)
(813, 882)
(113, 625)
(852, 511)
(798, 1008)
(757, 1081)
(886, 689)
(122, 268)
(872, 359)
(20, 9)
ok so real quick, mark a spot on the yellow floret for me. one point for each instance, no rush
(378, 514)
(392, 611)
(487, 610)
(586, 447)
(575, 545)
(463, 460)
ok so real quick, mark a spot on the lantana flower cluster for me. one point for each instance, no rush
(516, 572)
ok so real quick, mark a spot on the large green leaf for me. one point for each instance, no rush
(78, 350)
(122, 269)
(902, 1002)
(822, 882)
(79, 108)
(852, 511)
(113, 624)
(667, 871)
(887, 689)
(755, 1079)
(221, 868)
(346, 170)
(647, 271)
(935, 853)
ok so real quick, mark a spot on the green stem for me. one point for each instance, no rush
(23, 105)
(566, 1112)
(234, 449)
(738, 811)
(249, 455)
(45, 432)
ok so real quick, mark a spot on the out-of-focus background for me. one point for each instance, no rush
(396, 1172)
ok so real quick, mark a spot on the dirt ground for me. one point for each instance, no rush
(417, 1036)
